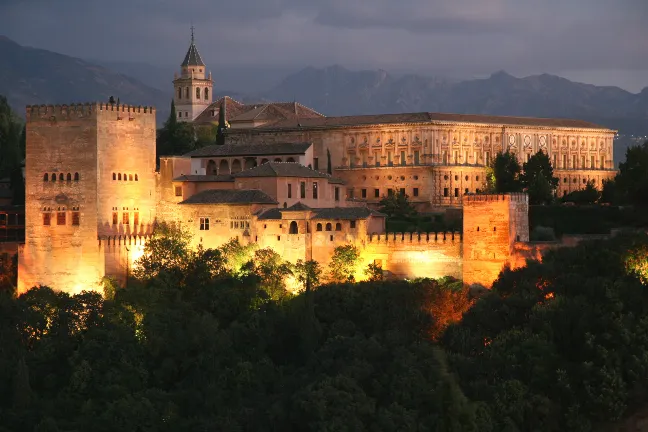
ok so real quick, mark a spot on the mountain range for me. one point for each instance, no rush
(35, 76)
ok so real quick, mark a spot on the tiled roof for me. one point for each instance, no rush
(228, 196)
(331, 213)
(345, 213)
(281, 169)
(299, 206)
(257, 149)
(425, 117)
(193, 57)
(204, 178)
(268, 112)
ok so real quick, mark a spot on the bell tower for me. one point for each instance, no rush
(193, 88)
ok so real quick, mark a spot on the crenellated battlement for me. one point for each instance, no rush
(415, 238)
(511, 197)
(82, 110)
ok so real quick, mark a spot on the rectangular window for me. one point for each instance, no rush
(364, 193)
(574, 161)
(125, 218)
(455, 157)
(465, 157)
(456, 192)
(602, 162)
(47, 219)
(178, 191)
(376, 193)
(487, 158)
(444, 157)
(403, 160)
(445, 192)
(136, 218)
(592, 162)
(564, 161)
(377, 159)
(114, 218)
(314, 190)
(353, 224)
(76, 218)
(60, 218)
(582, 161)
(302, 189)
(204, 224)
(402, 191)
(289, 190)
(364, 159)
(337, 193)
(553, 164)
(475, 158)
(350, 193)
(415, 192)
(315, 163)
(416, 157)
(390, 192)
(390, 161)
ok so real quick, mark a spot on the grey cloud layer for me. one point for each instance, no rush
(468, 36)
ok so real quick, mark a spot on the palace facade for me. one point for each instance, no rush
(287, 178)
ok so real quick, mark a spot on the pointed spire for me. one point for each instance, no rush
(193, 57)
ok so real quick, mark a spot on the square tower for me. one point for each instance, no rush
(492, 224)
(89, 185)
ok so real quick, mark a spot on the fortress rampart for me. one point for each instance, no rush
(85, 110)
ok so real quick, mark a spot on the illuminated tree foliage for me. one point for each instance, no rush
(374, 273)
(308, 274)
(344, 263)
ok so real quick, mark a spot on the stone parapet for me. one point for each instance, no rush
(511, 197)
(414, 238)
(81, 110)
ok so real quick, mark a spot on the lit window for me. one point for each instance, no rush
(76, 216)
(125, 218)
(136, 178)
(119, 176)
(130, 177)
(136, 218)
(47, 219)
(178, 191)
(114, 218)
(204, 224)
(114, 176)
(60, 218)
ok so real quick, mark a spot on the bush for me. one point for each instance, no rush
(541, 233)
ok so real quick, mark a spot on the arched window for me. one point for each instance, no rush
(125, 177)
(119, 176)
(290, 160)
(53, 177)
(76, 176)
(328, 227)
(211, 168)
(136, 179)
(114, 176)
(319, 227)
(223, 167)
(61, 177)
(277, 160)
(130, 177)
(206, 93)
(293, 228)
(264, 161)
(197, 92)
(45, 177)
(338, 226)
(69, 177)
(236, 166)
(179, 93)
(249, 163)
(187, 92)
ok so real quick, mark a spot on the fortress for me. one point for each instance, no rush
(287, 178)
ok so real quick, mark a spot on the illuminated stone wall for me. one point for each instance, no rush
(86, 145)
(492, 224)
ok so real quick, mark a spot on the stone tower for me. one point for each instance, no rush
(90, 193)
(192, 91)
(492, 224)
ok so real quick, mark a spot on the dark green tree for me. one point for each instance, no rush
(587, 195)
(506, 173)
(632, 179)
(175, 138)
(538, 180)
(397, 206)
(222, 124)
(308, 273)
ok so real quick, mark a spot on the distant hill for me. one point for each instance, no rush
(35, 76)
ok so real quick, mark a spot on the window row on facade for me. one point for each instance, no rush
(61, 215)
(125, 177)
(125, 217)
(187, 93)
(314, 191)
(223, 166)
(377, 193)
(61, 177)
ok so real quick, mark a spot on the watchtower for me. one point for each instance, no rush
(192, 89)
(89, 175)
(492, 224)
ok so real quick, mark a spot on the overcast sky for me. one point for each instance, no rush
(597, 41)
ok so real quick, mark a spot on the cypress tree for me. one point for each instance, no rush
(222, 124)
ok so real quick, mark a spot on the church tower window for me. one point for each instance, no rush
(179, 93)
(187, 92)
(206, 93)
(198, 93)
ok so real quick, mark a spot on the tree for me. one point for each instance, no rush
(588, 195)
(329, 165)
(238, 257)
(343, 264)
(222, 124)
(175, 138)
(538, 179)
(374, 273)
(397, 206)
(273, 271)
(308, 273)
(506, 170)
(10, 139)
(609, 192)
(632, 179)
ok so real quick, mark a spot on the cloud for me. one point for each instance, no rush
(465, 37)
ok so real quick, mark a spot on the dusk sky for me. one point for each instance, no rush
(595, 41)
